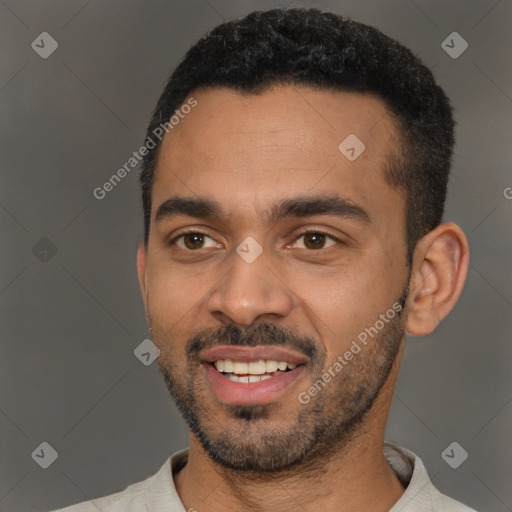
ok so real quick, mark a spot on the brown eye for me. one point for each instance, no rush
(315, 240)
(193, 241)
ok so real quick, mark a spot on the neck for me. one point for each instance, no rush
(357, 478)
(361, 481)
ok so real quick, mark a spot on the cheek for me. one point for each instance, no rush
(170, 297)
(361, 288)
(343, 306)
(169, 315)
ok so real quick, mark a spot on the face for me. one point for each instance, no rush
(275, 274)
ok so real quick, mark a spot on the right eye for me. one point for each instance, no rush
(192, 241)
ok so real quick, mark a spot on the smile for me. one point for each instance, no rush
(245, 388)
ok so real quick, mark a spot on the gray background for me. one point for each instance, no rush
(70, 321)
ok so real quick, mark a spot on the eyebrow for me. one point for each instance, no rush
(302, 206)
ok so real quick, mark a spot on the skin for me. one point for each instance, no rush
(248, 152)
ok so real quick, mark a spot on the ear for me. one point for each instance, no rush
(141, 272)
(440, 265)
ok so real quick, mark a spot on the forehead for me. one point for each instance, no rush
(278, 116)
(287, 140)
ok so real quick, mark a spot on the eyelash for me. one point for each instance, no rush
(314, 231)
(299, 235)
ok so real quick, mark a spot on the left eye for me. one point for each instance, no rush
(193, 241)
(316, 240)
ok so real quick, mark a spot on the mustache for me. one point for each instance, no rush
(256, 334)
(266, 334)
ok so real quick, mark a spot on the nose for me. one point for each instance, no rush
(249, 291)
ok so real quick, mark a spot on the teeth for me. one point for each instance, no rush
(271, 366)
(257, 367)
(260, 367)
(228, 365)
(249, 378)
(240, 368)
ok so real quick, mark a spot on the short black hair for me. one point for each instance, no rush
(324, 50)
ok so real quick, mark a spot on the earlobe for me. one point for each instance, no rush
(440, 266)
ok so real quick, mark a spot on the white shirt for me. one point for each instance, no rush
(158, 493)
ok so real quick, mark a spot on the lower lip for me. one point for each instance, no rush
(248, 393)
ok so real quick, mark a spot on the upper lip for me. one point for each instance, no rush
(246, 354)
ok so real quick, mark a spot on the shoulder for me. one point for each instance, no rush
(420, 493)
(129, 499)
(137, 497)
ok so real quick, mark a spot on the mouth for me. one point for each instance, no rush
(251, 375)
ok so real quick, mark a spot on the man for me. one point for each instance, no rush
(293, 189)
